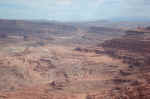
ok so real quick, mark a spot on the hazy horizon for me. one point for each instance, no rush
(74, 10)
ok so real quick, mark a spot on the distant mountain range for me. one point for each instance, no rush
(130, 19)
(43, 26)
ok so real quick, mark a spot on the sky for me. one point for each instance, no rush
(73, 10)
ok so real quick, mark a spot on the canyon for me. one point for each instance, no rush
(54, 60)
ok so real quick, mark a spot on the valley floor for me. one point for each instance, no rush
(60, 72)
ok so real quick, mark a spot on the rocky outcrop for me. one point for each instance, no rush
(133, 50)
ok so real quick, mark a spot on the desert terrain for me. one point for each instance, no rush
(55, 60)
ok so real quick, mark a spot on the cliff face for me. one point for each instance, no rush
(130, 47)
(133, 50)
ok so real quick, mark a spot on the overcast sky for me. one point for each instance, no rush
(73, 10)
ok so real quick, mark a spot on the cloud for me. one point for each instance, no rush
(100, 1)
(138, 2)
(64, 2)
